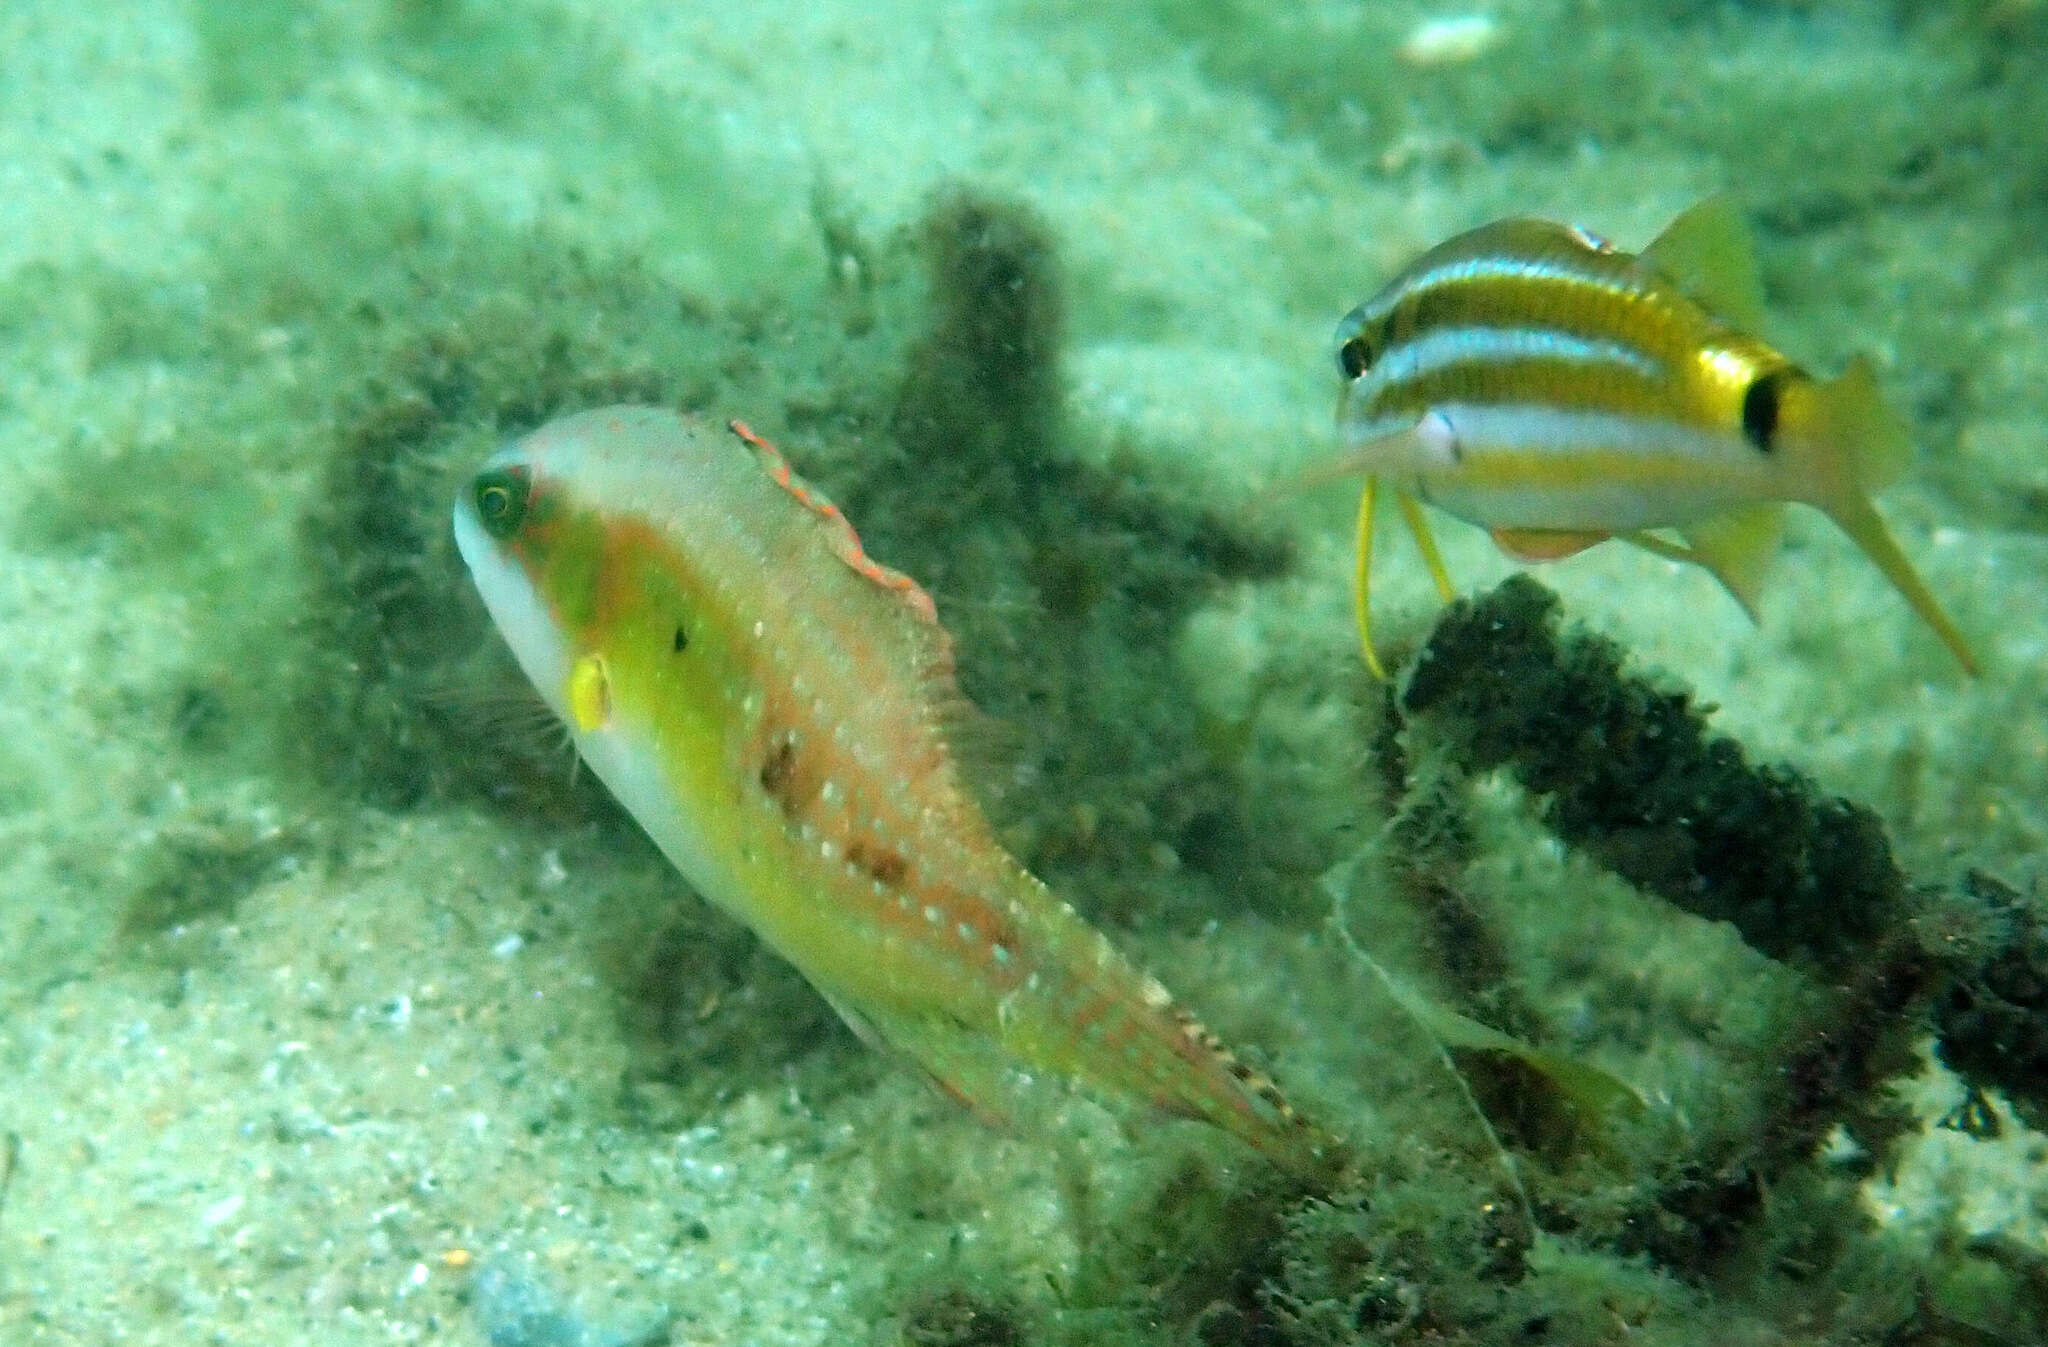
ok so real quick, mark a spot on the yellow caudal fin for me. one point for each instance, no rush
(1859, 519)
(1857, 446)
(1707, 253)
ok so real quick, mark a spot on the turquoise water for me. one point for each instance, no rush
(335, 1008)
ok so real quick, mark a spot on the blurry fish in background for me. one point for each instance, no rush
(1532, 379)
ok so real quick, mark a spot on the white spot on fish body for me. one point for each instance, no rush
(1438, 439)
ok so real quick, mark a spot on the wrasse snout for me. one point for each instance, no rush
(1530, 378)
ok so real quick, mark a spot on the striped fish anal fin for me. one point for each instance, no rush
(1707, 252)
(1737, 548)
(1540, 545)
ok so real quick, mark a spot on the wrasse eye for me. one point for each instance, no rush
(1355, 357)
(500, 497)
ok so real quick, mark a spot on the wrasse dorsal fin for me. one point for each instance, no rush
(845, 543)
(1707, 252)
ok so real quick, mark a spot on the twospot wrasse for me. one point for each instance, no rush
(770, 703)
(1534, 380)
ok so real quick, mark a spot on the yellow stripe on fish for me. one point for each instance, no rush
(1530, 378)
(769, 703)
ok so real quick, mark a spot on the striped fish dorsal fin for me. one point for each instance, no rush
(1707, 252)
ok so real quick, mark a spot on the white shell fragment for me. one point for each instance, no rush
(1452, 40)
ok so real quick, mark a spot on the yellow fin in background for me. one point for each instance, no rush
(1592, 1092)
(1707, 252)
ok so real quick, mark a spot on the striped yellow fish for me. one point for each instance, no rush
(1534, 380)
(769, 702)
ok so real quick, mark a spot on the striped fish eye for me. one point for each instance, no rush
(500, 496)
(1355, 356)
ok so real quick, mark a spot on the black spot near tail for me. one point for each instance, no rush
(1760, 406)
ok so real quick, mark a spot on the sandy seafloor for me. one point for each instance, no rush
(310, 1110)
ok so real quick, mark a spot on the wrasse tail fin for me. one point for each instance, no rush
(1858, 518)
(1707, 252)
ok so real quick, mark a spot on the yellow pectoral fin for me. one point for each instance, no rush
(589, 693)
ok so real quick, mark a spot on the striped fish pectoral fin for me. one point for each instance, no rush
(1707, 252)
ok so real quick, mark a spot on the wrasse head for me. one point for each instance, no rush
(591, 593)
